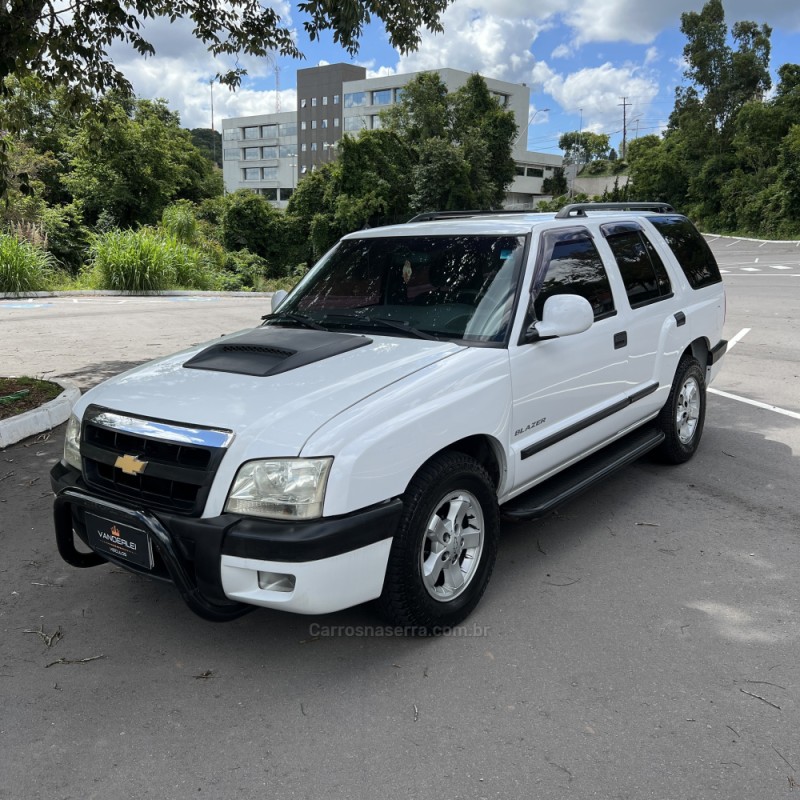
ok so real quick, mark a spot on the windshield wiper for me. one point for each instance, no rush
(297, 319)
(382, 322)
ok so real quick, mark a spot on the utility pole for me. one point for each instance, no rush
(624, 105)
(213, 137)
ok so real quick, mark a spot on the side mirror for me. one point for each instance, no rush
(277, 299)
(563, 315)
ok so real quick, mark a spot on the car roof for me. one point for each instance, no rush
(519, 223)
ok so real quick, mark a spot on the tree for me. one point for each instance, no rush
(461, 143)
(67, 44)
(209, 143)
(581, 147)
(131, 160)
(556, 186)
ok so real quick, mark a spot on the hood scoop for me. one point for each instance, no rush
(270, 351)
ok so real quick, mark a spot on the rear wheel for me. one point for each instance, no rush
(683, 415)
(445, 546)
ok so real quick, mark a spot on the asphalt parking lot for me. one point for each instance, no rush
(643, 642)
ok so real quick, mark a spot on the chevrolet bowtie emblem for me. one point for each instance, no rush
(130, 465)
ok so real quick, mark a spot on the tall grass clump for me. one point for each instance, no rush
(180, 221)
(148, 260)
(23, 266)
(133, 261)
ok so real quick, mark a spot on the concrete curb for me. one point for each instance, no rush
(37, 420)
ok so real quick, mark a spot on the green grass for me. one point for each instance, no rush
(23, 267)
(145, 261)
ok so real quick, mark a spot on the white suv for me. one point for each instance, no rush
(421, 381)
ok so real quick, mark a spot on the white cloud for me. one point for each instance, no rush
(595, 93)
(640, 22)
(562, 51)
(496, 46)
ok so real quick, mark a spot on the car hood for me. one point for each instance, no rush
(314, 377)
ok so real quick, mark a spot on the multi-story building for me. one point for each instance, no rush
(270, 153)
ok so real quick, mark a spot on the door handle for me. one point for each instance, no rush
(620, 339)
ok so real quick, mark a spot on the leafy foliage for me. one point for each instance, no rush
(582, 146)
(67, 44)
(729, 155)
(132, 160)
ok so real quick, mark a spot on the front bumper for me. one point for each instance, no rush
(224, 565)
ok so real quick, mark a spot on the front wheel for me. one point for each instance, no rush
(684, 413)
(445, 546)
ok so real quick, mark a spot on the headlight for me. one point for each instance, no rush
(72, 443)
(281, 488)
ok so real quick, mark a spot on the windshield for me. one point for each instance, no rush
(441, 287)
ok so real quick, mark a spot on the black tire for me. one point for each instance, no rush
(684, 413)
(457, 489)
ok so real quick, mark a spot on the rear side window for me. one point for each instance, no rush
(640, 266)
(690, 248)
(570, 264)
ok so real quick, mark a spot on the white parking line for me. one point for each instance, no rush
(756, 403)
(738, 338)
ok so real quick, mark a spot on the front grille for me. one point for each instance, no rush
(178, 473)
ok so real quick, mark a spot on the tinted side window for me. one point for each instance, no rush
(574, 267)
(690, 248)
(642, 270)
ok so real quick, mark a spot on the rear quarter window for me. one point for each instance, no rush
(690, 249)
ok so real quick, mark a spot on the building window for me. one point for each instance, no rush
(252, 153)
(303, 125)
(269, 131)
(534, 172)
(270, 173)
(230, 134)
(398, 94)
(355, 99)
(288, 151)
(355, 123)
(303, 147)
(287, 129)
(336, 122)
(269, 194)
(252, 173)
(336, 99)
(286, 193)
(253, 132)
(382, 97)
(325, 100)
(269, 152)
(231, 154)
(313, 147)
(303, 103)
(519, 169)
(313, 102)
(376, 122)
(324, 123)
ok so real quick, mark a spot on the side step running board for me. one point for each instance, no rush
(542, 499)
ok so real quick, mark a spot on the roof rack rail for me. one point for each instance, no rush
(580, 209)
(428, 216)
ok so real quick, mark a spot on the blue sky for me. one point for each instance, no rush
(580, 58)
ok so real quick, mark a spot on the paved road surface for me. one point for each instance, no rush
(644, 642)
